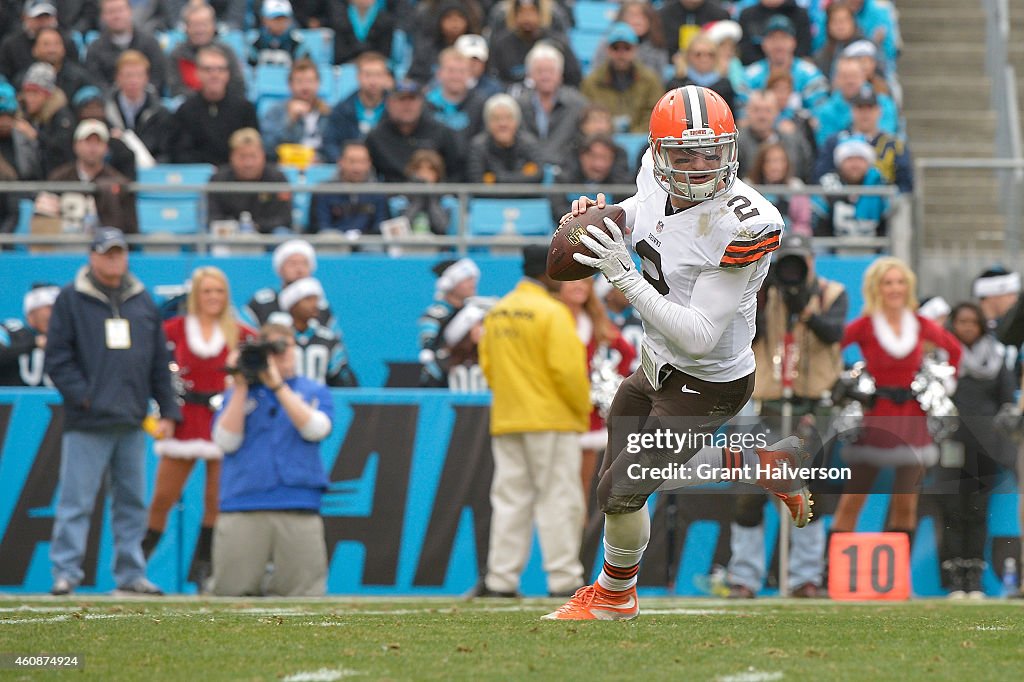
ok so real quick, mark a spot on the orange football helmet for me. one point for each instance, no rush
(698, 120)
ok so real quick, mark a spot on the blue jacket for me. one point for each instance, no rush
(277, 129)
(275, 469)
(836, 114)
(349, 212)
(104, 387)
(850, 216)
(348, 121)
(810, 83)
(893, 162)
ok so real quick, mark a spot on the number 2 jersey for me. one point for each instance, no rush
(736, 229)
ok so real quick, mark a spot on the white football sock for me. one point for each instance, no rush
(625, 539)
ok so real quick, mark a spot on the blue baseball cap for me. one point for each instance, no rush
(407, 87)
(782, 23)
(621, 32)
(8, 98)
(107, 238)
(84, 95)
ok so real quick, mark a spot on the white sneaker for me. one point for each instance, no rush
(62, 587)
(139, 588)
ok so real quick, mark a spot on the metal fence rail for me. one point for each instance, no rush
(462, 240)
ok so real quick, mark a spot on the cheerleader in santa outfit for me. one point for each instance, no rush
(603, 341)
(891, 336)
(199, 343)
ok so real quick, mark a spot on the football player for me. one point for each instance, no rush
(292, 260)
(320, 352)
(704, 238)
(23, 344)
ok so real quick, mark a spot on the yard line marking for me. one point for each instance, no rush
(752, 675)
(322, 675)
(64, 618)
(694, 612)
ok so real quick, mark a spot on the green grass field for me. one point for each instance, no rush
(413, 639)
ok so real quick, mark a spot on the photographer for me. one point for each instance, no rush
(800, 320)
(272, 479)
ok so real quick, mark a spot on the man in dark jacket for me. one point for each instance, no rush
(270, 211)
(16, 49)
(111, 203)
(134, 108)
(46, 117)
(683, 19)
(118, 36)
(754, 20)
(206, 120)
(71, 75)
(508, 49)
(106, 354)
(404, 129)
(355, 116)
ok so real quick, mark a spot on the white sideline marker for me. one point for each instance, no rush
(752, 675)
(322, 675)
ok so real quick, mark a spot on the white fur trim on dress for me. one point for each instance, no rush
(594, 440)
(194, 448)
(903, 455)
(199, 346)
(897, 346)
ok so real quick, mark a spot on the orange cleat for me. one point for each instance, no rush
(593, 602)
(775, 475)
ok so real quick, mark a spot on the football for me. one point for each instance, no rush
(566, 241)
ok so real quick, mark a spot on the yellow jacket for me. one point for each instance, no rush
(535, 364)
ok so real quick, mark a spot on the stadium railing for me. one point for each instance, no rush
(1004, 102)
(897, 241)
(948, 269)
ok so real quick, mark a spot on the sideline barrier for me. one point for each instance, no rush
(377, 299)
(407, 512)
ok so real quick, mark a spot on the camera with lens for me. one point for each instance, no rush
(253, 357)
(789, 275)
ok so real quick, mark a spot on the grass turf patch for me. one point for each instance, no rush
(330, 639)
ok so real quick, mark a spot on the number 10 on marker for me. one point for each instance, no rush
(869, 566)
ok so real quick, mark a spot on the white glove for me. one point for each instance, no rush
(610, 253)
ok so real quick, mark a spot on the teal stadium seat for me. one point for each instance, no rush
(527, 217)
(401, 54)
(345, 81)
(269, 84)
(328, 91)
(239, 42)
(272, 81)
(319, 44)
(633, 143)
(169, 39)
(178, 213)
(584, 45)
(595, 17)
(26, 208)
(302, 201)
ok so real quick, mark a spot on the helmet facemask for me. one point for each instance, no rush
(681, 183)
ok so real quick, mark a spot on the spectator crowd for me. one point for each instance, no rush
(521, 91)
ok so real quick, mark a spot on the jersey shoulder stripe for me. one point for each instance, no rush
(742, 252)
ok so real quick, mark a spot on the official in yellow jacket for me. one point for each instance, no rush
(536, 367)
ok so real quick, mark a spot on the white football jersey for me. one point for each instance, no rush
(739, 228)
